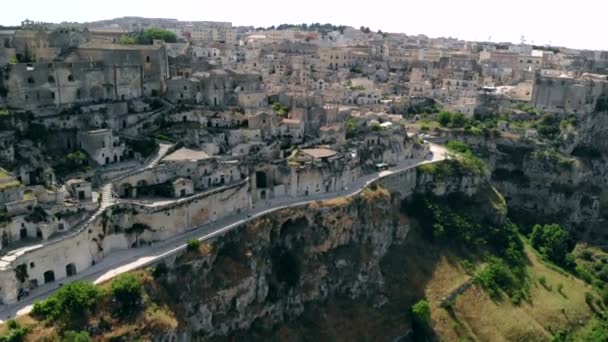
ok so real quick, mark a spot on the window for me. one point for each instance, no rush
(70, 78)
(51, 79)
(147, 59)
(30, 80)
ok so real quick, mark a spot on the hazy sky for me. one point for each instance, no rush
(577, 24)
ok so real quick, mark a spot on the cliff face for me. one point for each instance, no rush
(548, 187)
(297, 262)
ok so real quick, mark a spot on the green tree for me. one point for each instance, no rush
(69, 305)
(351, 127)
(553, 242)
(421, 320)
(458, 119)
(127, 290)
(444, 118)
(127, 40)
(158, 33)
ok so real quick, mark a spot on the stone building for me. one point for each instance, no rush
(564, 94)
(102, 146)
(209, 32)
(79, 189)
(183, 187)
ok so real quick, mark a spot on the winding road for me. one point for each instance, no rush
(131, 259)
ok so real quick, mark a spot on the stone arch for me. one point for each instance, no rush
(125, 189)
(49, 276)
(70, 269)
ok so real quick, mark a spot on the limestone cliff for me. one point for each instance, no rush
(297, 263)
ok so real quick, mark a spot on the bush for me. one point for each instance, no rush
(587, 255)
(584, 273)
(458, 146)
(127, 290)
(444, 118)
(421, 313)
(73, 336)
(193, 245)
(452, 119)
(15, 333)
(160, 270)
(543, 281)
(553, 242)
(69, 304)
(497, 276)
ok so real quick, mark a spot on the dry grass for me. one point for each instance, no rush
(206, 249)
(476, 314)
(375, 193)
(159, 319)
(331, 203)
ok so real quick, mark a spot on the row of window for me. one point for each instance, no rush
(51, 79)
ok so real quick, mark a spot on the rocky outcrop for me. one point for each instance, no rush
(268, 271)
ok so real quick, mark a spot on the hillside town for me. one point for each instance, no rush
(123, 133)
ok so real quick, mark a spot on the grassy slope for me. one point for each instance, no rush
(477, 317)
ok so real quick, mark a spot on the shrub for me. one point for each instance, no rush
(467, 266)
(193, 245)
(69, 304)
(15, 333)
(444, 118)
(160, 270)
(543, 281)
(553, 242)
(587, 255)
(496, 276)
(73, 336)
(127, 290)
(458, 146)
(421, 313)
(584, 273)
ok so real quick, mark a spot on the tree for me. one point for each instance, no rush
(553, 242)
(458, 119)
(154, 33)
(69, 305)
(137, 229)
(127, 40)
(127, 290)
(444, 118)
(421, 313)
(351, 127)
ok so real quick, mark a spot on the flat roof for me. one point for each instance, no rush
(319, 152)
(186, 154)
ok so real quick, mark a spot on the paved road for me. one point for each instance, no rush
(128, 260)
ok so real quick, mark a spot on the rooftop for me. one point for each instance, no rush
(319, 153)
(186, 154)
